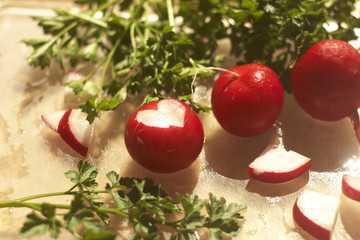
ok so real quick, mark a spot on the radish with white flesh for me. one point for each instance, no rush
(52, 119)
(325, 81)
(316, 213)
(76, 131)
(73, 128)
(351, 187)
(276, 165)
(164, 136)
(247, 99)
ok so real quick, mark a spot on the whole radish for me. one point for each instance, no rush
(325, 80)
(164, 136)
(247, 99)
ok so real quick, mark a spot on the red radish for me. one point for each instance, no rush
(248, 101)
(325, 80)
(276, 165)
(351, 187)
(164, 136)
(73, 128)
(76, 131)
(52, 119)
(316, 213)
(72, 75)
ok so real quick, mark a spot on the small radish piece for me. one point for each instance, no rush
(351, 187)
(76, 131)
(248, 101)
(316, 213)
(164, 136)
(325, 80)
(52, 119)
(276, 165)
(72, 75)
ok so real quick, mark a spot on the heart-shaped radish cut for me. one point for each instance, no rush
(164, 136)
(316, 213)
(52, 119)
(275, 165)
(351, 187)
(76, 131)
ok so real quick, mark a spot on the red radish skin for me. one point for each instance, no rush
(164, 136)
(67, 134)
(247, 102)
(316, 213)
(277, 165)
(351, 187)
(325, 80)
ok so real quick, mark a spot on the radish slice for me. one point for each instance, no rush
(316, 213)
(52, 119)
(351, 187)
(276, 165)
(76, 131)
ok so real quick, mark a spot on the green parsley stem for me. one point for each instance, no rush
(147, 30)
(170, 11)
(107, 62)
(133, 42)
(106, 5)
(113, 50)
(5, 204)
(87, 18)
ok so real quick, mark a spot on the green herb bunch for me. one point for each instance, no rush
(144, 204)
(136, 53)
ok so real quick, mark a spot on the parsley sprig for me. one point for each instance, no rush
(144, 204)
(136, 54)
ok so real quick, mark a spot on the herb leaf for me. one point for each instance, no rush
(142, 202)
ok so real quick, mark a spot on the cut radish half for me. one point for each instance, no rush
(275, 165)
(351, 187)
(52, 119)
(316, 213)
(76, 131)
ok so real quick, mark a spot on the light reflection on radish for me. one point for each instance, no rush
(164, 136)
(276, 165)
(316, 213)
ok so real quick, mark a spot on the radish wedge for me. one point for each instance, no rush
(316, 213)
(277, 165)
(351, 187)
(52, 119)
(76, 131)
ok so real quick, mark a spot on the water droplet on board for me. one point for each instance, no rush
(251, 232)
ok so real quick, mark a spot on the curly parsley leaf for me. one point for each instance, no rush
(144, 204)
(159, 59)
